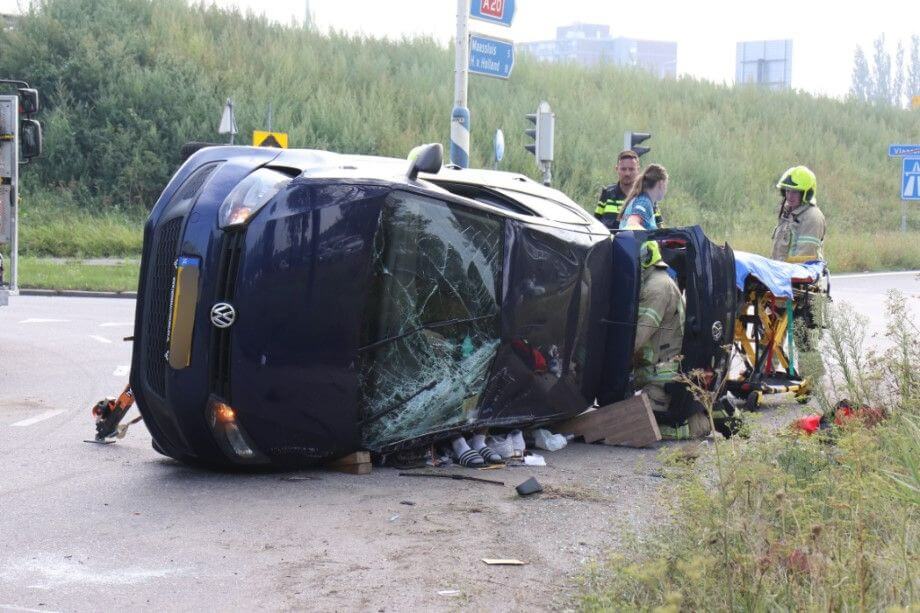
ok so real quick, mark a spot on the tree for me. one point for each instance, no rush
(862, 80)
(881, 74)
(897, 88)
(886, 81)
(913, 70)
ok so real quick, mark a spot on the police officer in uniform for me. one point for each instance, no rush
(800, 228)
(612, 200)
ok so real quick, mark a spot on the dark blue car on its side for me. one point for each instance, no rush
(297, 305)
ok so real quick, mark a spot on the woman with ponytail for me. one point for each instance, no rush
(645, 194)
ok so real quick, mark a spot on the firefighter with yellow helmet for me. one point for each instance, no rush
(659, 327)
(659, 336)
(800, 228)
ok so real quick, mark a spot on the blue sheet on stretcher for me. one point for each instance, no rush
(776, 275)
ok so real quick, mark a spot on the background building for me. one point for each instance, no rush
(764, 62)
(590, 44)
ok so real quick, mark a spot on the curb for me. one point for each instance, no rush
(72, 293)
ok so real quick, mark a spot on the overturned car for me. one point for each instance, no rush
(297, 305)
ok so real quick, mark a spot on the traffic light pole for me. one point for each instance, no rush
(9, 187)
(460, 116)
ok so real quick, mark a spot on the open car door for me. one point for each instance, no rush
(705, 272)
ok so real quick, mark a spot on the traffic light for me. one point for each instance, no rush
(544, 122)
(631, 141)
(28, 101)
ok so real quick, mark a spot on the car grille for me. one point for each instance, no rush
(159, 286)
(231, 252)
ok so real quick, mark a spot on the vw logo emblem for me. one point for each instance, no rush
(223, 315)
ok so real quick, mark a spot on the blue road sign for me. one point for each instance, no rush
(899, 151)
(910, 179)
(493, 57)
(500, 12)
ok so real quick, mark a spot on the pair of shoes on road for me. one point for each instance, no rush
(476, 456)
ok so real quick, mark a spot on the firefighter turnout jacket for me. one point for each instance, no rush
(799, 234)
(659, 328)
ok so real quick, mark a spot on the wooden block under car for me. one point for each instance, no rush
(357, 463)
(630, 423)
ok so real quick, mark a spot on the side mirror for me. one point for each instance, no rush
(425, 158)
(30, 139)
(28, 101)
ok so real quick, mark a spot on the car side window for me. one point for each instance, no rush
(432, 324)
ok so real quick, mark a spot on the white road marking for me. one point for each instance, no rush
(12, 607)
(122, 370)
(40, 417)
(101, 339)
(115, 324)
(866, 275)
(55, 573)
(39, 320)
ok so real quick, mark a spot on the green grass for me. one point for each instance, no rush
(779, 521)
(37, 273)
(52, 225)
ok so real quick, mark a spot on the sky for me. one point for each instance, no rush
(824, 33)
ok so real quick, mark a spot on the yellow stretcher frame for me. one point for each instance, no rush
(764, 338)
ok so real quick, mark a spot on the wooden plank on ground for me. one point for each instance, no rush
(629, 422)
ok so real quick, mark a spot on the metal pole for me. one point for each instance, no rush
(903, 215)
(269, 116)
(460, 116)
(14, 210)
(14, 195)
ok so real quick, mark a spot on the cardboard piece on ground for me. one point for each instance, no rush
(630, 423)
(502, 562)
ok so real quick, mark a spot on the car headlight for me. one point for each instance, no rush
(229, 433)
(249, 196)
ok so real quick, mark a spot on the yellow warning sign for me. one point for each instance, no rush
(261, 138)
(915, 102)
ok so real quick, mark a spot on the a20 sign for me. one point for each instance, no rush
(500, 12)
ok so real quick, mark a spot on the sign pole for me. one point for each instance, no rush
(460, 116)
(14, 203)
(9, 187)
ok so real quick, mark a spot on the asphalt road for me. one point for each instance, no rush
(86, 527)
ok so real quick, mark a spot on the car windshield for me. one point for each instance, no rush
(432, 328)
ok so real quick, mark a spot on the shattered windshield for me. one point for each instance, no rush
(432, 325)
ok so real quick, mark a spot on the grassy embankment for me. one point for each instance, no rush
(783, 521)
(126, 83)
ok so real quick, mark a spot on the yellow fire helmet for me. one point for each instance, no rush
(650, 255)
(801, 179)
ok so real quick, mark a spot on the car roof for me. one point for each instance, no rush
(318, 164)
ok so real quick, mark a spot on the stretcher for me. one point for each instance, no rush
(774, 298)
